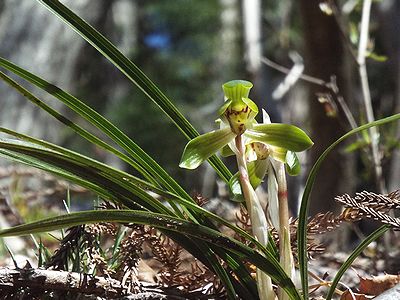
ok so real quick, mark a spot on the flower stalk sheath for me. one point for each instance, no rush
(285, 251)
(259, 225)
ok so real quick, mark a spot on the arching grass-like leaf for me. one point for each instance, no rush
(305, 201)
(120, 177)
(268, 264)
(356, 252)
(78, 129)
(120, 187)
(97, 120)
(132, 72)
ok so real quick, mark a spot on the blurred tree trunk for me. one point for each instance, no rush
(325, 57)
(252, 37)
(389, 19)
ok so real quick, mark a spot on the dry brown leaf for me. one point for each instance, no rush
(377, 285)
(354, 296)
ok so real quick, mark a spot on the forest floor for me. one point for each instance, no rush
(160, 269)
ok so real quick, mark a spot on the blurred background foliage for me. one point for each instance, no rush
(189, 48)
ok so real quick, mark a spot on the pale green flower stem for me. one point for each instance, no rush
(259, 223)
(286, 257)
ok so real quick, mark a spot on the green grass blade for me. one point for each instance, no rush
(303, 214)
(242, 274)
(81, 131)
(36, 163)
(268, 264)
(101, 123)
(356, 252)
(205, 255)
(122, 176)
(132, 72)
(219, 271)
(75, 157)
(118, 193)
(87, 170)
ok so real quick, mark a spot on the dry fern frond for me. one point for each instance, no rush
(99, 228)
(243, 221)
(200, 277)
(129, 257)
(373, 206)
(376, 201)
(313, 247)
(168, 253)
(324, 222)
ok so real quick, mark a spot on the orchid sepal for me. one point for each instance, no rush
(202, 147)
(235, 90)
(281, 135)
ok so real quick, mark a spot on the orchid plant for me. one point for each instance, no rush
(260, 149)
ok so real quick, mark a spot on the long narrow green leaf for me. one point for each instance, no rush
(87, 171)
(70, 156)
(103, 124)
(98, 120)
(35, 163)
(81, 131)
(305, 201)
(356, 252)
(121, 176)
(186, 243)
(116, 175)
(268, 263)
(243, 275)
(132, 72)
(103, 176)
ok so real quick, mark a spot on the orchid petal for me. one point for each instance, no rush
(251, 154)
(281, 135)
(257, 170)
(235, 188)
(224, 107)
(202, 147)
(292, 164)
(266, 118)
(251, 105)
(237, 89)
(230, 149)
(278, 153)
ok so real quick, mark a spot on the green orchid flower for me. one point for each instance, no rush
(259, 153)
(237, 118)
(262, 160)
